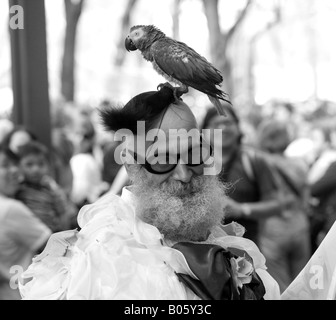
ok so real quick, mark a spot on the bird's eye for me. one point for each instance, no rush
(137, 33)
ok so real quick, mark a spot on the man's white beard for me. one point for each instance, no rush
(181, 211)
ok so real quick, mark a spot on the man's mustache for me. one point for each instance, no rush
(179, 188)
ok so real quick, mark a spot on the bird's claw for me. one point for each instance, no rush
(166, 84)
(177, 91)
(177, 94)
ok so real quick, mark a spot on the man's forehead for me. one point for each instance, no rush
(175, 131)
(178, 116)
(175, 141)
(178, 127)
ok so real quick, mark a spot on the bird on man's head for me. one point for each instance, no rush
(178, 64)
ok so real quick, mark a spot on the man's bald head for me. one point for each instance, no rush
(153, 109)
(177, 116)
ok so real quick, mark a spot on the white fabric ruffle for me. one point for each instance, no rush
(118, 256)
(317, 280)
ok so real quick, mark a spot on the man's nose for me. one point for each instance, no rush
(182, 173)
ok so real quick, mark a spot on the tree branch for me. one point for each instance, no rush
(215, 36)
(125, 25)
(238, 22)
(73, 9)
(176, 19)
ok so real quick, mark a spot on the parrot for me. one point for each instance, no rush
(178, 63)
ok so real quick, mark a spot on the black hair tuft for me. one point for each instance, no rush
(146, 107)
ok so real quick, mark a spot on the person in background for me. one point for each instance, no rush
(88, 184)
(61, 153)
(254, 192)
(17, 137)
(110, 159)
(285, 239)
(6, 126)
(111, 166)
(323, 134)
(38, 190)
(62, 149)
(22, 235)
(324, 191)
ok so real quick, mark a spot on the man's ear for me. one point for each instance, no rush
(132, 169)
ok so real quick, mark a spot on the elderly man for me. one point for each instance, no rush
(162, 239)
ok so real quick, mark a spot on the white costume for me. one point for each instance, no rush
(317, 280)
(117, 256)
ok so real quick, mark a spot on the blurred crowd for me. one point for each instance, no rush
(273, 148)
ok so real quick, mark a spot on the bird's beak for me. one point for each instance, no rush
(129, 45)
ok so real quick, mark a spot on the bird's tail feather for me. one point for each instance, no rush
(218, 105)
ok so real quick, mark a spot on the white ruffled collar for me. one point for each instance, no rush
(128, 196)
(229, 235)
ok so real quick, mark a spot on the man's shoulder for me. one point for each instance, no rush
(9, 204)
